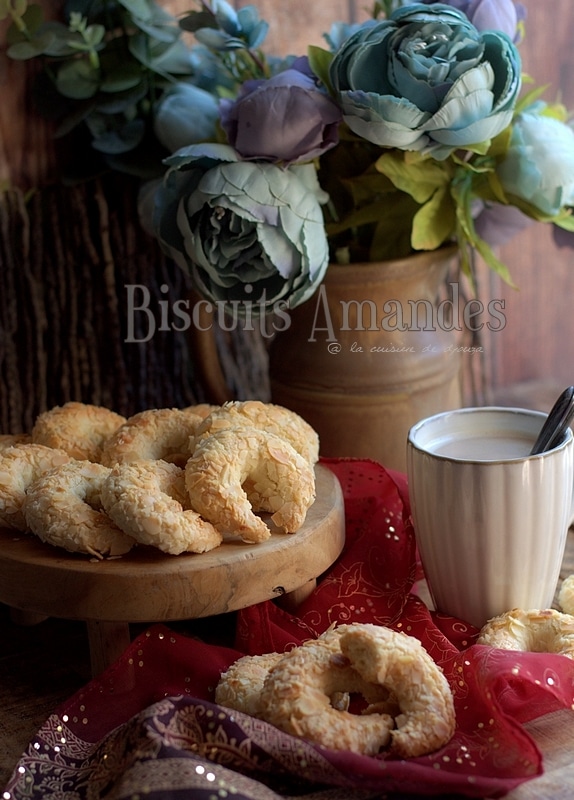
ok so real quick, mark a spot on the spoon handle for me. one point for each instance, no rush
(556, 423)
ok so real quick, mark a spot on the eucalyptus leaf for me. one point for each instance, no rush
(171, 60)
(63, 41)
(162, 33)
(122, 140)
(258, 34)
(141, 162)
(121, 102)
(256, 29)
(121, 78)
(77, 79)
(72, 120)
(215, 39)
(32, 19)
(164, 59)
(141, 9)
(27, 49)
(83, 7)
(159, 25)
(7, 7)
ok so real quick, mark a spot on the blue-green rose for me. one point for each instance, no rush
(539, 166)
(426, 79)
(185, 115)
(248, 233)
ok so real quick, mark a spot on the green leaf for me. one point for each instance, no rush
(366, 215)
(392, 234)
(555, 111)
(320, 61)
(481, 148)
(488, 255)
(461, 190)
(419, 178)
(434, 222)
(365, 187)
(529, 98)
(389, 242)
(565, 220)
(500, 144)
(497, 189)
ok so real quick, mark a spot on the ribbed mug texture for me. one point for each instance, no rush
(491, 534)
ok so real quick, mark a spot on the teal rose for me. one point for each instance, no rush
(539, 165)
(490, 15)
(250, 234)
(186, 114)
(426, 79)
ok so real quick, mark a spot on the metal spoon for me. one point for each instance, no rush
(556, 423)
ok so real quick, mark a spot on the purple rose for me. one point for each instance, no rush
(497, 224)
(284, 119)
(489, 15)
(562, 238)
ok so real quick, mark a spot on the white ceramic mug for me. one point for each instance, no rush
(490, 520)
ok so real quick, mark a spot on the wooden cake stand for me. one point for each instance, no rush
(147, 585)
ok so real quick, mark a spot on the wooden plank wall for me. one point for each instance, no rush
(536, 343)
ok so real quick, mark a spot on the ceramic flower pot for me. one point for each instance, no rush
(373, 352)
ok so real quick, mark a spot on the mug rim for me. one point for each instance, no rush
(486, 410)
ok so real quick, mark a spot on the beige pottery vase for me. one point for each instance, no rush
(369, 355)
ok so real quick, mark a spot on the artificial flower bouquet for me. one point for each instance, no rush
(404, 133)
